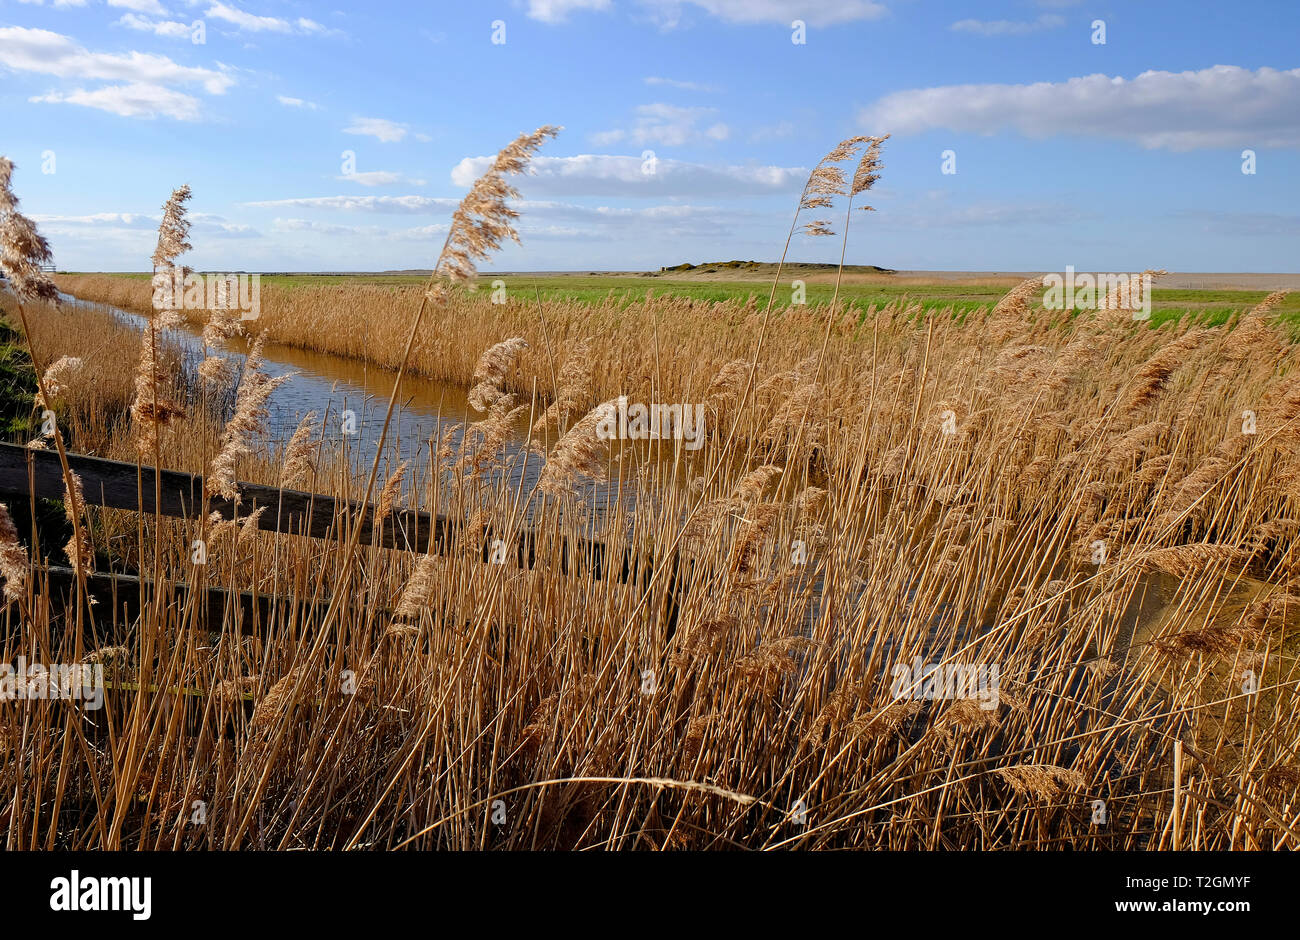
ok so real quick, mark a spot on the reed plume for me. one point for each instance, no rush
(150, 412)
(173, 241)
(1040, 781)
(483, 440)
(245, 425)
(78, 550)
(580, 453)
(490, 374)
(1123, 298)
(223, 324)
(478, 226)
(868, 171)
(1269, 303)
(827, 180)
(419, 589)
(1011, 312)
(392, 489)
(298, 463)
(725, 390)
(23, 250)
(483, 221)
(14, 562)
(57, 379)
(573, 392)
(1152, 377)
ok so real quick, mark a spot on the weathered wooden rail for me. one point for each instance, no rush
(115, 484)
(240, 611)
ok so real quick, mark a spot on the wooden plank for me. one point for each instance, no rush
(115, 484)
(118, 596)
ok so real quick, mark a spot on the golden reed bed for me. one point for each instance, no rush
(1101, 512)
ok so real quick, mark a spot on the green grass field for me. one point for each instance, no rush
(1211, 307)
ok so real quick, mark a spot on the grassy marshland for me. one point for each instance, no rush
(945, 482)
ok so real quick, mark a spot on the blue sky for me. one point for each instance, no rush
(1108, 157)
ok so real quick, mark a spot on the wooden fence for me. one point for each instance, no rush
(115, 484)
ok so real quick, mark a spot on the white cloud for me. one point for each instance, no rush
(812, 12)
(203, 222)
(140, 6)
(138, 99)
(555, 11)
(124, 219)
(665, 124)
(250, 22)
(674, 83)
(605, 175)
(39, 50)
(379, 178)
(417, 233)
(394, 205)
(1008, 27)
(387, 131)
(172, 29)
(296, 103)
(255, 23)
(1222, 106)
(565, 221)
(549, 218)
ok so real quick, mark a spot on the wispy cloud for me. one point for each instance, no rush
(136, 100)
(152, 7)
(289, 102)
(312, 226)
(1009, 27)
(1222, 106)
(666, 124)
(172, 29)
(385, 204)
(380, 178)
(821, 13)
(124, 219)
(563, 221)
(255, 23)
(203, 222)
(607, 175)
(385, 130)
(49, 53)
(674, 83)
(556, 11)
